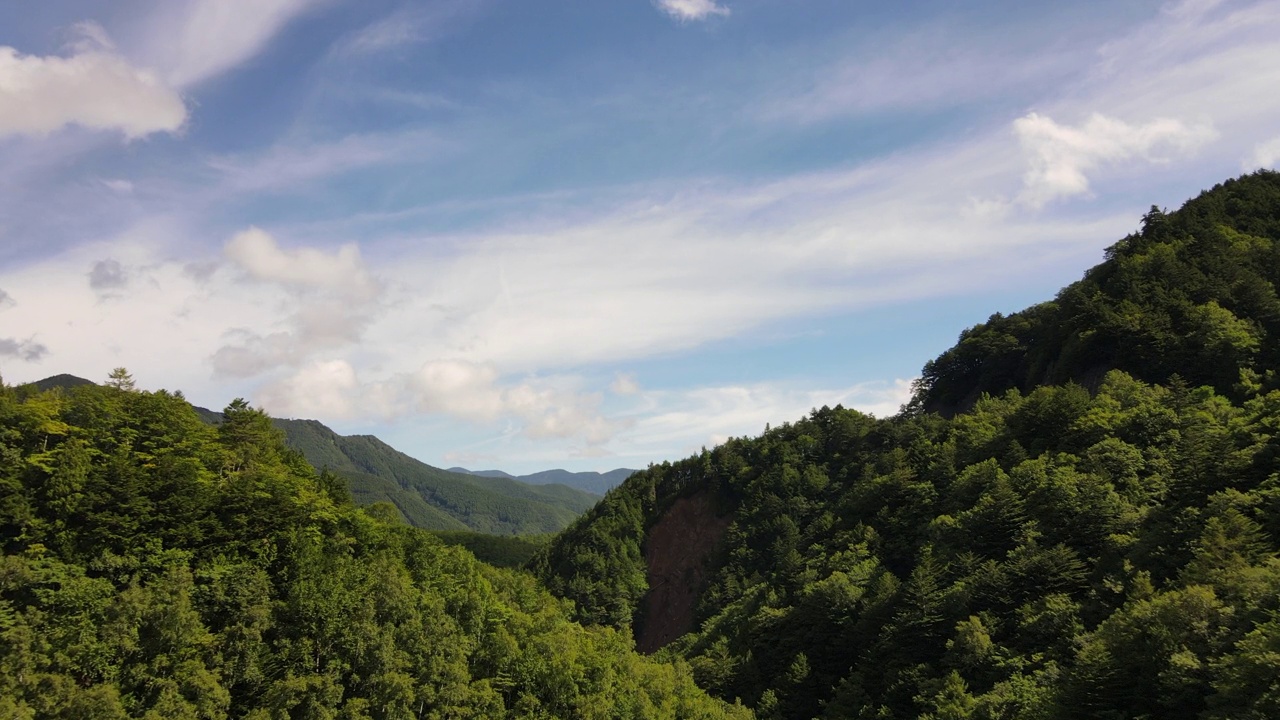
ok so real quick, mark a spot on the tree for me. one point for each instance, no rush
(120, 379)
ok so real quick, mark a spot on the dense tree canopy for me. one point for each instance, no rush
(1045, 549)
(1193, 294)
(156, 566)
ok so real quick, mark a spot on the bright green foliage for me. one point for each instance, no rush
(159, 567)
(1104, 547)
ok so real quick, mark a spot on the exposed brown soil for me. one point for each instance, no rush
(678, 552)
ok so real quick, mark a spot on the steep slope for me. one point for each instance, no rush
(432, 498)
(592, 482)
(1102, 549)
(1192, 294)
(157, 566)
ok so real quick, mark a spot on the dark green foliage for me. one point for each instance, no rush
(156, 566)
(1102, 546)
(1192, 294)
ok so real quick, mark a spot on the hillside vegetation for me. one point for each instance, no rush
(156, 566)
(422, 495)
(428, 497)
(1077, 517)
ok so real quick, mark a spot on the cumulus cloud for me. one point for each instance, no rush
(457, 389)
(1061, 155)
(107, 276)
(472, 391)
(692, 9)
(343, 272)
(331, 296)
(1265, 155)
(94, 88)
(6, 300)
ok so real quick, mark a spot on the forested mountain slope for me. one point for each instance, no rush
(425, 496)
(1192, 294)
(429, 497)
(1097, 550)
(157, 566)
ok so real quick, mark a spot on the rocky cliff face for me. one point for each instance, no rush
(678, 552)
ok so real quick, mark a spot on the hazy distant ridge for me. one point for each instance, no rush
(592, 482)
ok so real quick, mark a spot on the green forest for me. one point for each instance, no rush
(157, 566)
(1077, 516)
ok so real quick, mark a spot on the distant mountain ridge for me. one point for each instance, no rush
(592, 482)
(426, 496)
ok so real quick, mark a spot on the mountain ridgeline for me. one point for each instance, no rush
(598, 483)
(156, 565)
(1077, 516)
(421, 495)
(431, 498)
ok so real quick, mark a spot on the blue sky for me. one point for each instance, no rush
(584, 234)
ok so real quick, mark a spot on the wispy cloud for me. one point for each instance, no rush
(1265, 155)
(411, 24)
(691, 9)
(1060, 156)
(289, 166)
(200, 39)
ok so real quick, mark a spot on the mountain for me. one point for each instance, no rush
(159, 566)
(592, 482)
(1078, 516)
(1192, 294)
(424, 496)
(432, 498)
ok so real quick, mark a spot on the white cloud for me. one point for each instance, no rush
(692, 9)
(342, 272)
(331, 297)
(456, 389)
(94, 88)
(118, 185)
(1265, 155)
(205, 38)
(1060, 155)
(324, 389)
(708, 416)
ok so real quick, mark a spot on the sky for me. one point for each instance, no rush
(540, 233)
